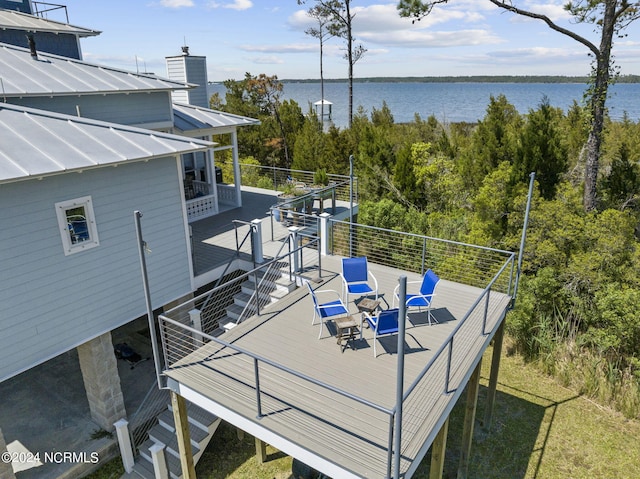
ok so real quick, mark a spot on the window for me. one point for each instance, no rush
(77, 225)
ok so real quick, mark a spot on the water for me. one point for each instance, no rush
(451, 102)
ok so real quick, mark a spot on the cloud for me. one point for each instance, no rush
(233, 5)
(267, 60)
(176, 3)
(290, 48)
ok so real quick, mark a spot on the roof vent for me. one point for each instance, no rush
(32, 46)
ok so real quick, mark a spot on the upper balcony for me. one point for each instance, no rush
(331, 407)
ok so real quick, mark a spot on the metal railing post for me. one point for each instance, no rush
(402, 318)
(486, 312)
(255, 279)
(258, 399)
(424, 255)
(392, 419)
(449, 358)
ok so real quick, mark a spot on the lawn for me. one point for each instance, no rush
(540, 430)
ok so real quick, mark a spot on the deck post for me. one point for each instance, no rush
(493, 377)
(124, 443)
(196, 323)
(159, 460)
(402, 318)
(293, 244)
(181, 420)
(469, 419)
(324, 233)
(256, 241)
(261, 451)
(438, 451)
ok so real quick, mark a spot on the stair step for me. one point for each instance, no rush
(198, 434)
(144, 468)
(161, 434)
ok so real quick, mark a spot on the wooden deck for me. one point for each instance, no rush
(321, 424)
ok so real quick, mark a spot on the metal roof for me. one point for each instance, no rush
(21, 75)
(35, 143)
(13, 20)
(188, 118)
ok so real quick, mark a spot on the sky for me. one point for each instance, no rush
(461, 38)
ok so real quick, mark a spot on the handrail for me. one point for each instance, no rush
(437, 354)
(279, 366)
(415, 235)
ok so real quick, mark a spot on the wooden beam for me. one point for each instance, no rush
(438, 450)
(493, 377)
(181, 419)
(469, 419)
(261, 451)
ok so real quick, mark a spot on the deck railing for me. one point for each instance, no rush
(278, 179)
(489, 269)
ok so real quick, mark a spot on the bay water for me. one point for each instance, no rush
(449, 102)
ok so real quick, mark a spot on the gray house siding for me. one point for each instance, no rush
(62, 44)
(189, 69)
(20, 5)
(52, 302)
(132, 109)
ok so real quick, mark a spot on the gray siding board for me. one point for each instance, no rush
(125, 109)
(52, 302)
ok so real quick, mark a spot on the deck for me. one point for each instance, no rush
(332, 407)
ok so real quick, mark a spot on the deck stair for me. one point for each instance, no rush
(272, 289)
(202, 426)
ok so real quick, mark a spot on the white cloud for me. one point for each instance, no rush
(270, 60)
(285, 48)
(176, 3)
(233, 5)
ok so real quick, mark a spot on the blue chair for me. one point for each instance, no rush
(424, 298)
(324, 311)
(356, 278)
(385, 323)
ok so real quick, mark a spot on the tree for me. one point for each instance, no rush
(322, 33)
(542, 149)
(340, 25)
(610, 17)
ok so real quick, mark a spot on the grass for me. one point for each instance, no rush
(540, 430)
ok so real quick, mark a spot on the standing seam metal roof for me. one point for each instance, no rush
(21, 75)
(189, 117)
(14, 20)
(36, 143)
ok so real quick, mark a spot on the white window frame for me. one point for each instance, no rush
(61, 212)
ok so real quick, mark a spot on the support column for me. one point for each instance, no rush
(261, 451)
(493, 377)
(181, 420)
(469, 420)
(6, 470)
(101, 381)
(438, 450)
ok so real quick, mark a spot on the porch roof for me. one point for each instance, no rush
(189, 118)
(36, 143)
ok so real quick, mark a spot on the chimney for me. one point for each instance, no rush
(32, 46)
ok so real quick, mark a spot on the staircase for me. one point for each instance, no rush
(202, 426)
(273, 287)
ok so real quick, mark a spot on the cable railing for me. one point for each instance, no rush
(263, 384)
(277, 179)
(455, 261)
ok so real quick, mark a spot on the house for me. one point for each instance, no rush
(83, 147)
